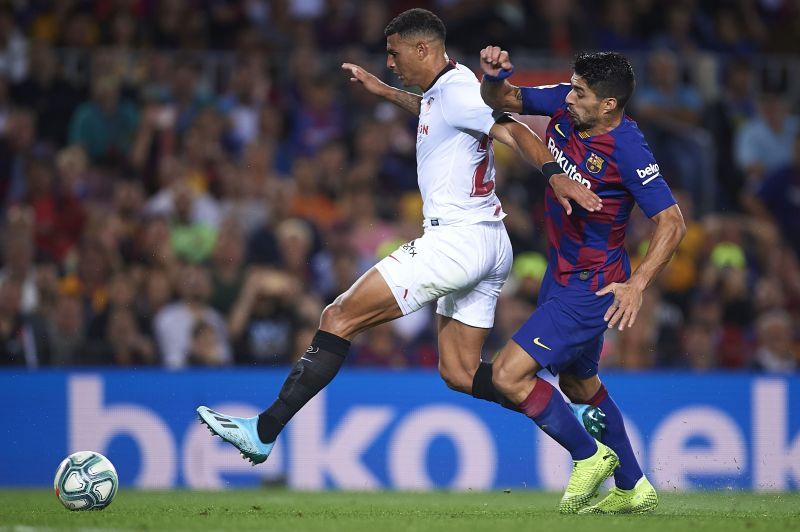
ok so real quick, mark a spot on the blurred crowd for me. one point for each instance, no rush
(189, 182)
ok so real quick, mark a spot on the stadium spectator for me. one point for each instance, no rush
(263, 322)
(205, 348)
(669, 112)
(227, 266)
(774, 351)
(14, 49)
(778, 198)
(66, 333)
(765, 143)
(105, 126)
(21, 334)
(18, 139)
(176, 324)
(48, 94)
(724, 118)
(18, 265)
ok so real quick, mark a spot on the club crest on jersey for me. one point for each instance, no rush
(429, 104)
(594, 163)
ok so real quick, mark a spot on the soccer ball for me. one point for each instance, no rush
(86, 480)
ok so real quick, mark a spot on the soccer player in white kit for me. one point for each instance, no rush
(464, 256)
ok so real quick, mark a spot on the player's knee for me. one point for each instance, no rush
(457, 379)
(335, 319)
(577, 390)
(570, 389)
(503, 379)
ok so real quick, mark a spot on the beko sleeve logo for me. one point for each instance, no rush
(649, 173)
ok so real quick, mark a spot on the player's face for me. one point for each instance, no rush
(401, 59)
(583, 104)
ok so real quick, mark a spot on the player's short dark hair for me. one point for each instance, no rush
(608, 74)
(417, 22)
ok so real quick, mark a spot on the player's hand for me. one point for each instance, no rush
(369, 81)
(626, 304)
(567, 189)
(494, 59)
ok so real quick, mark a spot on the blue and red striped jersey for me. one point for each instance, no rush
(587, 248)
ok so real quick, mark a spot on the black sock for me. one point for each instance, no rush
(482, 388)
(315, 369)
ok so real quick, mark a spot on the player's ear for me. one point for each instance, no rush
(610, 105)
(422, 49)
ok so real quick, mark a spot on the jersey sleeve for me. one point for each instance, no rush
(463, 108)
(642, 177)
(544, 100)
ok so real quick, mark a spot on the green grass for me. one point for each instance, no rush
(387, 511)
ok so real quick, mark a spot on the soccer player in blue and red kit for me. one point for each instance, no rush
(588, 287)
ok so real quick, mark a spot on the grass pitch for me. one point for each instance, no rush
(278, 510)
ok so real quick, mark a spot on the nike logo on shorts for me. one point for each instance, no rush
(540, 344)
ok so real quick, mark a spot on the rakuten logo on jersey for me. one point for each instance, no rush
(650, 173)
(570, 168)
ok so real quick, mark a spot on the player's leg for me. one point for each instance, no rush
(460, 362)
(633, 492)
(514, 375)
(466, 316)
(552, 338)
(367, 303)
(459, 352)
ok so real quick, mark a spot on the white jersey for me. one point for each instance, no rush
(455, 160)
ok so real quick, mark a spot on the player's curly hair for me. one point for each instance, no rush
(608, 74)
(416, 22)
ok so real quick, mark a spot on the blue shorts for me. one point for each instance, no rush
(565, 333)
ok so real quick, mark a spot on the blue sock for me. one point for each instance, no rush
(628, 473)
(549, 410)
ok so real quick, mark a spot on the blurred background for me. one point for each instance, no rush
(189, 182)
(185, 184)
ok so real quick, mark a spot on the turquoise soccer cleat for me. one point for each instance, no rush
(241, 432)
(593, 419)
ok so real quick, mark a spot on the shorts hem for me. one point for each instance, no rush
(405, 308)
(472, 323)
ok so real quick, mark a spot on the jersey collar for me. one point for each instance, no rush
(447, 68)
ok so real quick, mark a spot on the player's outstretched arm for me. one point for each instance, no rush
(528, 144)
(403, 99)
(669, 232)
(496, 91)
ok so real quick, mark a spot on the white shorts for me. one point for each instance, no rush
(463, 267)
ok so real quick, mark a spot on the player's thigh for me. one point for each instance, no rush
(367, 303)
(459, 350)
(491, 256)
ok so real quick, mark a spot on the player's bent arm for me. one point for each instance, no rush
(670, 229)
(528, 144)
(501, 96)
(522, 139)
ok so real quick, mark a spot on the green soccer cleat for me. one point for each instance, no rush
(586, 477)
(593, 419)
(641, 499)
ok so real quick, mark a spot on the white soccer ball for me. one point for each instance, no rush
(86, 480)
